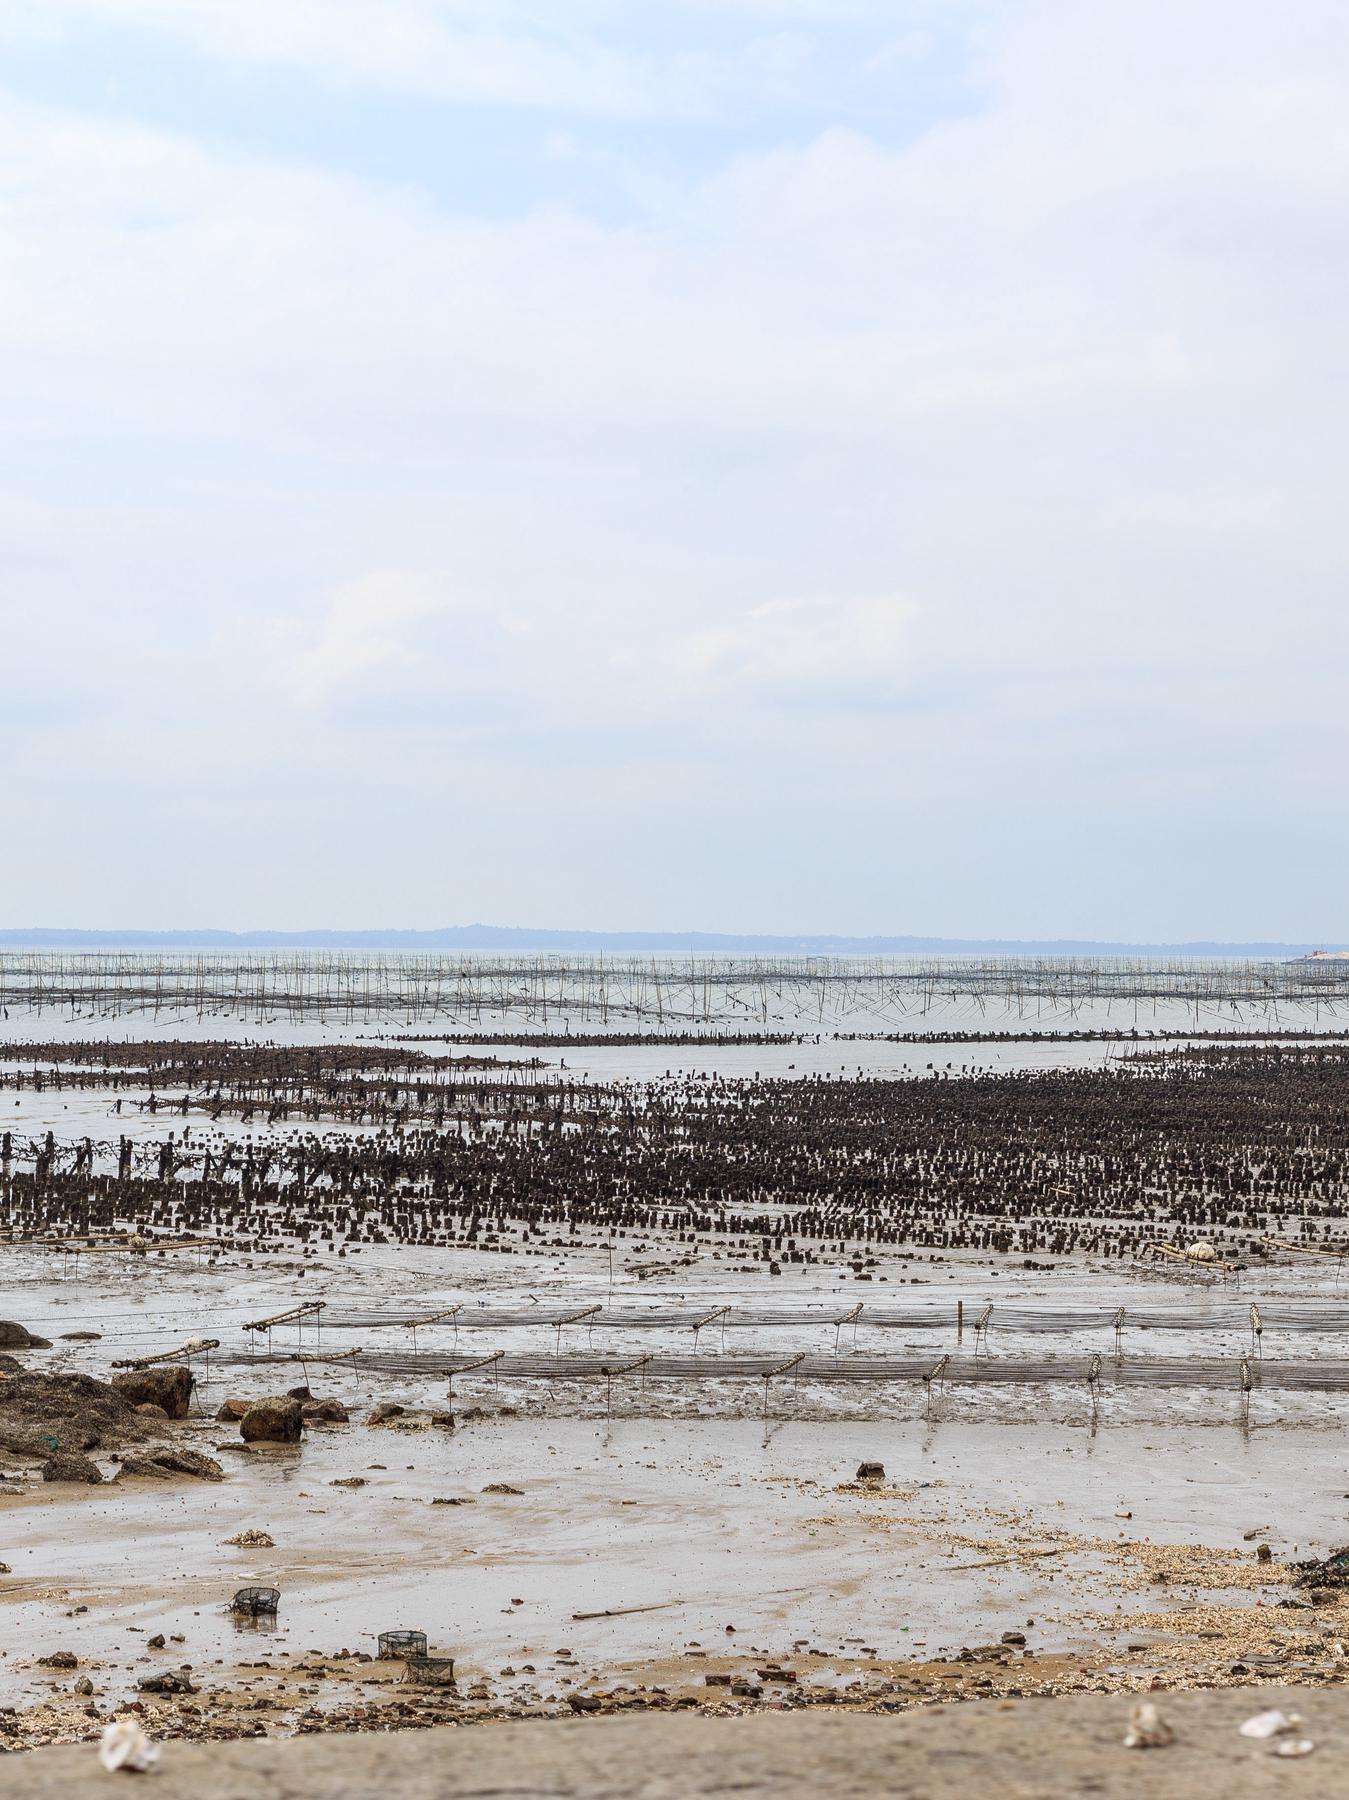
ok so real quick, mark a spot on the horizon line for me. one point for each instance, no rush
(542, 938)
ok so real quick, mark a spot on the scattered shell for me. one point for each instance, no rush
(1270, 1724)
(1294, 1747)
(125, 1746)
(252, 1540)
(1148, 1730)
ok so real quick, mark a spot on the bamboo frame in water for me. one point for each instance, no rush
(467, 988)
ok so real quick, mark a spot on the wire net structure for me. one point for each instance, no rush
(1312, 1375)
(430, 1671)
(394, 1644)
(254, 1601)
(1313, 1317)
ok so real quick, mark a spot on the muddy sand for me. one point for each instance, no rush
(1023, 1750)
(717, 1562)
(659, 1546)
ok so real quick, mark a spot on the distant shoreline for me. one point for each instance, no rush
(628, 943)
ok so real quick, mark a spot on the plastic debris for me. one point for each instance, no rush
(1270, 1724)
(1148, 1730)
(125, 1746)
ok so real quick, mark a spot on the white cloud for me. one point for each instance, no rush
(830, 651)
(1066, 371)
(591, 57)
(477, 50)
(364, 628)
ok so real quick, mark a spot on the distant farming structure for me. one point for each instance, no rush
(807, 992)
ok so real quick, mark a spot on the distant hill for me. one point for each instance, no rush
(625, 943)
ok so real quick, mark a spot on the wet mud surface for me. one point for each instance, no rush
(583, 1541)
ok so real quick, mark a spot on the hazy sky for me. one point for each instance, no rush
(854, 465)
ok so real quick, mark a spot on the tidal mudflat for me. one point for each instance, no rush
(671, 1383)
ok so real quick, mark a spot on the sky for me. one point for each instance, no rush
(863, 466)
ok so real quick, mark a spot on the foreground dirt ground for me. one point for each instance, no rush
(1027, 1750)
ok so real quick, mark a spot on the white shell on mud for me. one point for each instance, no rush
(1148, 1730)
(125, 1746)
(1270, 1724)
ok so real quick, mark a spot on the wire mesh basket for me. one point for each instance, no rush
(255, 1600)
(401, 1643)
(430, 1671)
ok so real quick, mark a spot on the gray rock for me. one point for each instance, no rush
(67, 1466)
(169, 1386)
(41, 1415)
(324, 1412)
(172, 1681)
(276, 1421)
(166, 1460)
(14, 1336)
